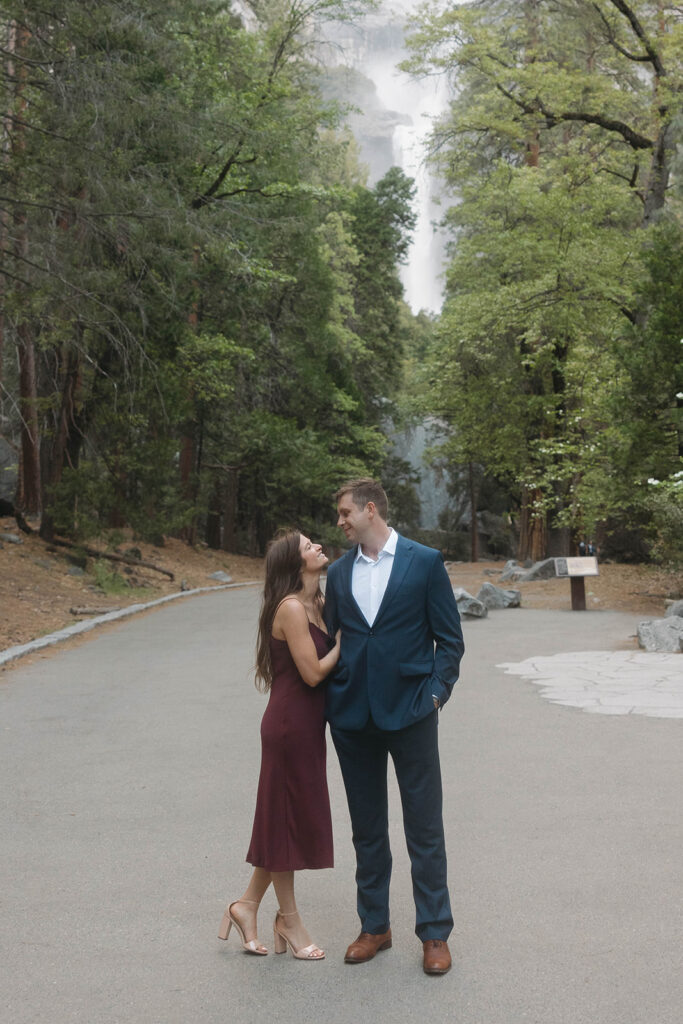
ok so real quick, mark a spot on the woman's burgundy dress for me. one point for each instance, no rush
(292, 823)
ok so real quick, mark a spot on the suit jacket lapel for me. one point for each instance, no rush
(402, 559)
(346, 576)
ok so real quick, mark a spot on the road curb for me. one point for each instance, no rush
(13, 653)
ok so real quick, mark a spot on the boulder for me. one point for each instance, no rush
(674, 609)
(221, 576)
(511, 571)
(468, 605)
(497, 597)
(11, 538)
(661, 634)
(544, 570)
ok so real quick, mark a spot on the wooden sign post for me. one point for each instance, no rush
(576, 569)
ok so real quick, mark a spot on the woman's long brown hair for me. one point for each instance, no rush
(283, 577)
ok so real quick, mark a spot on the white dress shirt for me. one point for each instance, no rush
(370, 577)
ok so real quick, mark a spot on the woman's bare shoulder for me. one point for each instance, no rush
(289, 614)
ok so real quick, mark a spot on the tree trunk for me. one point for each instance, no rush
(532, 527)
(474, 525)
(230, 510)
(59, 451)
(559, 541)
(29, 495)
(188, 439)
(186, 467)
(11, 42)
(213, 519)
(30, 492)
(658, 178)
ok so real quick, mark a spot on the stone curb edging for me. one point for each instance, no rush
(12, 653)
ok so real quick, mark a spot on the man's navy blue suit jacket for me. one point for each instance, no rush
(412, 650)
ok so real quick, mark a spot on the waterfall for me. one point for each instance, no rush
(422, 273)
(392, 129)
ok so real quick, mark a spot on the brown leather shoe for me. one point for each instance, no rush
(437, 958)
(366, 946)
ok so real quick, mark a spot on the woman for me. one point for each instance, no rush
(292, 824)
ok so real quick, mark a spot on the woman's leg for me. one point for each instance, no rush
(289, 921)
(245, 909)
(258, 883)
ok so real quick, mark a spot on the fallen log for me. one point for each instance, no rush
(94, 553)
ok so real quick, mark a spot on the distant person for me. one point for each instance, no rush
(401, 646)
(292, 824)
(582, 548)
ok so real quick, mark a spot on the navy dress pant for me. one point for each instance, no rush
(363, 757)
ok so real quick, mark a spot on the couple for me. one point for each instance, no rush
(392, 664)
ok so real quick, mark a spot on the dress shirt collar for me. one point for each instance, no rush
(388, 549)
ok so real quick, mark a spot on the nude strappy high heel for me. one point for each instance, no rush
(281, 941)
(229, 919)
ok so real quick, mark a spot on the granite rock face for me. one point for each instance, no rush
(497, 597)
(661, 634)
(512, 570)
(468, 605)
(544, 570)
(674, 609)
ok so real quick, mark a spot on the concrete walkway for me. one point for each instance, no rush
(129, 768)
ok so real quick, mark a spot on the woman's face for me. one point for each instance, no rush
(312, 555)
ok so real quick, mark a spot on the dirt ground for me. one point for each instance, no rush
(40, 585)
(641, 589)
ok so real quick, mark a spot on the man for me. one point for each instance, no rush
(400, 654)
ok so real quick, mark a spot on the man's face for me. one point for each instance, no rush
(353, 520)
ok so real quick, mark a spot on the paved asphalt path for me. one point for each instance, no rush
(129, 768)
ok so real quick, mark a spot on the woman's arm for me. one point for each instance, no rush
(291, 624)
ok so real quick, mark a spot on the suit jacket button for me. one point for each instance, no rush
(371, 633)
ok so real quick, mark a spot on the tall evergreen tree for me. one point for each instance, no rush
(558, 145)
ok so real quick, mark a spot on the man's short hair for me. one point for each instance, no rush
(362, 491)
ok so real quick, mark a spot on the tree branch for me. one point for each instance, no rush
(634, 139)
(279, 58)
(19, 58)
(640, 32)
(251, 191)
(624, 177)
(34, 128)
(644, 58)
(233, 161)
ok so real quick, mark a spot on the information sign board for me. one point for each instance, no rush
(577, 566)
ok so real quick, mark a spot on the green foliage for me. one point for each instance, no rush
(109, 580)
(210, 293)
(665, 504)
(552, 365)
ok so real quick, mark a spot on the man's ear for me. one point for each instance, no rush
(372, 509)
